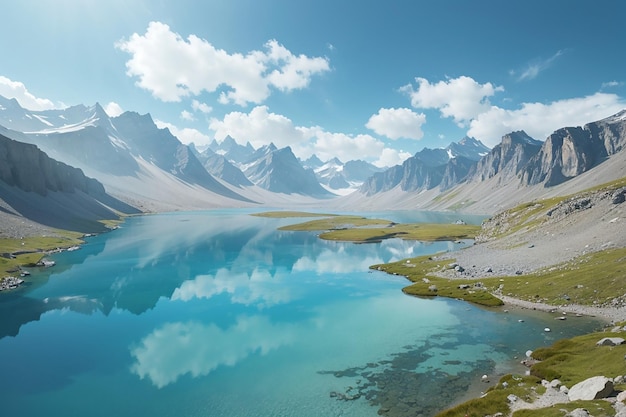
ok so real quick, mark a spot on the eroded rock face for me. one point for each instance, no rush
(29, 169)
(591, 389)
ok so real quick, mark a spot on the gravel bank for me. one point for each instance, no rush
(566, 235)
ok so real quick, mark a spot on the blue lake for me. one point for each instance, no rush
(220, 314)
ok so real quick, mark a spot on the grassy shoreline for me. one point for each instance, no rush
(29, 252)
(588, 280)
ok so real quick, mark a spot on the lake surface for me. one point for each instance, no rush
(220, 314)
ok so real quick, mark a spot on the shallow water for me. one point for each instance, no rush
(219, 314)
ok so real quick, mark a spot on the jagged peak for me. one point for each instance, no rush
(520, 136)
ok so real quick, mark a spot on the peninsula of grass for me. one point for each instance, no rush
(28, 251)
(363, 230)
(595, 279)
(288, 214)
(15, 253)
(420, 271)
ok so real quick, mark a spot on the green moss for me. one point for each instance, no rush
(595, 408)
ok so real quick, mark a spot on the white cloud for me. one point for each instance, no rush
(171, 67)
(535, 68)
(540, 120)
(461, 98)
(187, 115)
(327, 145)
(18, 91)
(390, 157)
(201, 107)
(185, 135)
(397, 123)
(259, 127)
(611, 84)
(113, 109)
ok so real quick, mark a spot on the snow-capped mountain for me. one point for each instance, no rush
(429, 168)
(232, 151)
(128, 153)
(279, 171)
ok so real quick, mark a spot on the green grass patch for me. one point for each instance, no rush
(419, 271)
(418, 231)
(288, 214)
(495, 401)
(336, 222)
(576, 359)
(596, 408)
(592, 279)
(29, 251)
(362, 229)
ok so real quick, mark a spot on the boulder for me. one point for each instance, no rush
(591, 389)
(610, 341)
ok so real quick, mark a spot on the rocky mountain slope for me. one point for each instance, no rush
(38, 188)
(279, 171)
(518, 169)
(428, 169)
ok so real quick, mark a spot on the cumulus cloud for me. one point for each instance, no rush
(260, 127)
(187, 115)
(18, 91)
(390, 157)
(201, 107)
(171, 67)
(397, 123)
(113, 109)
(540, 120)
(185, 135)
(460, 98)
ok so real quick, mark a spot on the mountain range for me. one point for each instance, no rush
(127, 164)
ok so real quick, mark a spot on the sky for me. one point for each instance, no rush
(370, 80)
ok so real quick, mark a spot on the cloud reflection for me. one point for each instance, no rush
(258, 287)
(177, 349)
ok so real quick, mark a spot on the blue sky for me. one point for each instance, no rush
(372, 80)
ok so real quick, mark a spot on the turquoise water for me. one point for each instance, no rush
(219, 314)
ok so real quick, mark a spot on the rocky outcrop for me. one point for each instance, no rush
(566, 153)
(456, 170)
(571, 151)
(52, 193)
(591, 389)
(26, 167)
(506, 159)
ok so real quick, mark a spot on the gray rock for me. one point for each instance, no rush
(611, 341)
(591, 389)
(579, 412)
